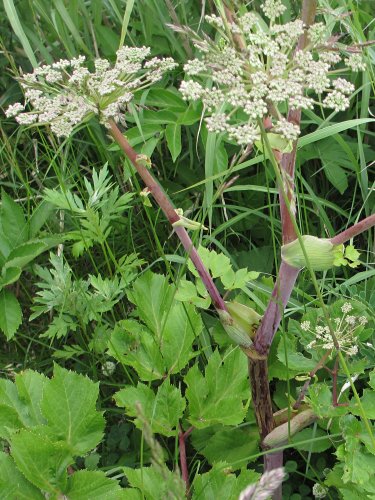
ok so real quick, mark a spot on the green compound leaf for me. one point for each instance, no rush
(152, 294)
(165, 350)
(163, 410)
(13, 484)
(359, 463)
(155, 483)
(219, 484)
(93, 484)
(217, 396)
(20, 402)
(42, 461)
(320, 397)
(69, 405)
(368, 404)
(10, 313)
(234, 444)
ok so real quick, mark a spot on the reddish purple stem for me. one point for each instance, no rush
(166, 206)
(352, 231)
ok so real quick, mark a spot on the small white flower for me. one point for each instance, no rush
(363, 320)
(214, 20)
(347, 307)
(244, 134)
(305, 326)
(317, 33)
(273, 8)
(355, 62)
(343, 86)
(14, 110)
(217, 122)
(191, 90)
(319, 491)
(336, 100)
(194, 67)
(26, 118)
(108, 368)
(287, 129)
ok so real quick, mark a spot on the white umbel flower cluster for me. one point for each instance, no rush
(345, 329)
(252, 69)
(66, 93)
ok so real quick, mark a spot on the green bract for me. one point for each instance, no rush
(321, 252)
(240, 323)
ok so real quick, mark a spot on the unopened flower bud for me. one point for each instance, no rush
(240, 323)
(322, 254)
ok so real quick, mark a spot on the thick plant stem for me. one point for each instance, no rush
(166, 206)
(271, 320)
(261, 397)
(284, 284)
(354, 230)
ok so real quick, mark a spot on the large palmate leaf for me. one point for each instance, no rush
(13, 484)
(217, 396)
(163, 410)
(69, 405)
(152, 294)
(93, 484)
(42, 461)
(154, 483)
(165, 347)
(217, 483)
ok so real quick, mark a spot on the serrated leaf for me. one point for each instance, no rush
(163, 410)
(217, 397)
(20, 402)
(351, 253)
(9, 276)
(367, 402)
(69, 405)
(133, 345)
(25, 253)
(10, 313)
(13, 227)
(13, 484)
(152, 295)
(155, 483)
(164, 351)
(187, 292)
(218, 263)
(320, 397)
(173, 136)
(231, 444)
(40, 460)
(30, 386)
(85, 484)
(359, 463)
(237, 280)
(217, 483)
